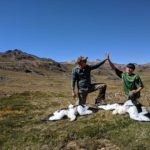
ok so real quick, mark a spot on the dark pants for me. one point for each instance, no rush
(134, 97)
(96, 86)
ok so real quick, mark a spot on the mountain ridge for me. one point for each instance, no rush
(17, 60)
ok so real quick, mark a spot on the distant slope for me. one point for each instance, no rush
(16, 54)
(17, 60)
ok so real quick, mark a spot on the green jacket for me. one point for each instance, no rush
(130, 82)
(83, 76)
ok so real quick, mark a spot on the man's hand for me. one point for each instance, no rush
(134, 91)
(137, 90)
(107, 56)
(73, 94)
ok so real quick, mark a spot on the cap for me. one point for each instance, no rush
(131, 65)
(81, 58)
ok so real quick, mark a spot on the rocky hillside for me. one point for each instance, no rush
(16, 54)
(17, 60)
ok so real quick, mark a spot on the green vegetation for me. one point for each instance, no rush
(27, 99)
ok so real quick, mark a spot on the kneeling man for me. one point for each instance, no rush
(81, 74)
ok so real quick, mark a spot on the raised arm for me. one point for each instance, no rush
(117, 71)
(95, 66)
(111, 64)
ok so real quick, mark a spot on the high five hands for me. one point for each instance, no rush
(107, 56)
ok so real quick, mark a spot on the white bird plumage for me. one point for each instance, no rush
(71, 112)
(130, 108)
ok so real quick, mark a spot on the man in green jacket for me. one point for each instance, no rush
(81, 74)
(132, 83)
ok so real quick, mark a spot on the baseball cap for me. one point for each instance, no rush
(131, 65)
(81, 58)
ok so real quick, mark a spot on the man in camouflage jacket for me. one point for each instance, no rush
(81, 74)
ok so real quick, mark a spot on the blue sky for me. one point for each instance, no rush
(65, 29)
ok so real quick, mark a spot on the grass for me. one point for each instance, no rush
(29, 98)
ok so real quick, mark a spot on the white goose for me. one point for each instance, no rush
(136, 112)
(71, 112)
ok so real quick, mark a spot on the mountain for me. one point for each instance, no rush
(16, 55)
(17, 60)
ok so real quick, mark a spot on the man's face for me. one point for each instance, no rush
(129, 70)
(82, 64)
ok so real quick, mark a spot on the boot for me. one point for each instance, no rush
(100, 102)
